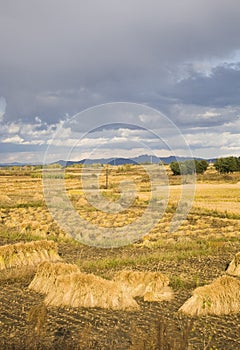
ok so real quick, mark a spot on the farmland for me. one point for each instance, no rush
(196, 253)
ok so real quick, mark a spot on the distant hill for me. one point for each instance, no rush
(145, 158)
(11, 164)
(17, 164)
(121, 161)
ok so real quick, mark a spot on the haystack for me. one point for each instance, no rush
(87, 290)
(27, 254)
(151, 286)
(221, 297)
(47, 273)
(234, 266)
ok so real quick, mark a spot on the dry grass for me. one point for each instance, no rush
(234, 266)
(151, 286)
(221, 297)
(37, 318)
(222, 197)
(65, 285)
(88, 290)
(27, 254)
(47, 274)
(163, 336)
(4, 199)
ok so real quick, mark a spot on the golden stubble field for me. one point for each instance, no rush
(193, 255)
(215, 209)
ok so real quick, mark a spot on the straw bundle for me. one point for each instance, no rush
(47, 274)
(151, 286)
(27, 254)
(87, 290)
(234, 266)
(221, 297)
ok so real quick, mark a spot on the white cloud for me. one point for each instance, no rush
(13, 128)
(209, 115)
(13, 139)
(148, 118)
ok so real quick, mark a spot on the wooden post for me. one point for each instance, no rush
(107, 172)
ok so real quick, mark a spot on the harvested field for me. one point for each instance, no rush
(192, 257)
(89, 328)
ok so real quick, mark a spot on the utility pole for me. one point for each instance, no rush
(107, 173)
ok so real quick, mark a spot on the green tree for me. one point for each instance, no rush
(201, 166)
(227, 165)
(238, 164)
(189, 166)
(174, 166)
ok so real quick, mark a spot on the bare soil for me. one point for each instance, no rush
(155, 326)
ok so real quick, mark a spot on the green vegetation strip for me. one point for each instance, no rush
(160, 252)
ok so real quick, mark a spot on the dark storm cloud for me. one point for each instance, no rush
(220, 89)
(60, 56)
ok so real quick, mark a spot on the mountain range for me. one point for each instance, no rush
(115, 161)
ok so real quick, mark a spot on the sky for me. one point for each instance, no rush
(169, 62)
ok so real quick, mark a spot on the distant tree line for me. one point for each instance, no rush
(227, 165)
(222, 165)
(190, 166)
